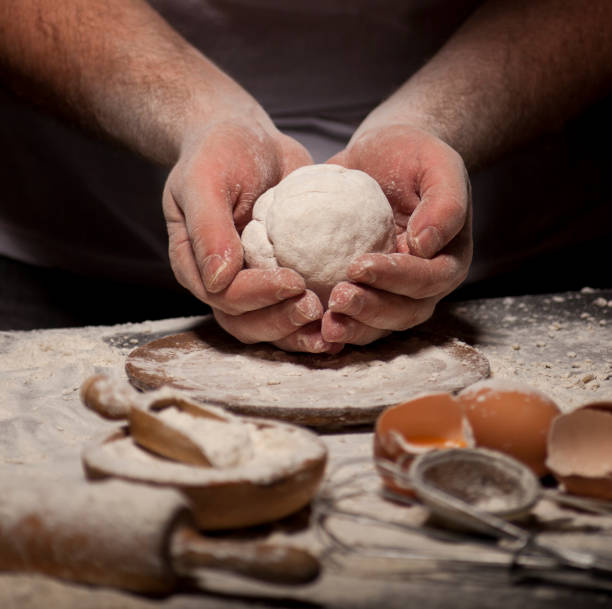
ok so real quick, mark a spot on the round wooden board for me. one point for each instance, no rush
(350, 388)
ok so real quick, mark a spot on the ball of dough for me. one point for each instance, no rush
(316, 221)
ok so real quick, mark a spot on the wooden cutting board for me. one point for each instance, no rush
(349, 388)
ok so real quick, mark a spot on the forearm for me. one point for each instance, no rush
(113, 65)
(514, 70)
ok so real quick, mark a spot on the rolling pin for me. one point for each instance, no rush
(128, 536)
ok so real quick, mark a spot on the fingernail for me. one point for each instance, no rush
(364, 274)
(347, 301)
(335, 333)
(288, 291)
(338, 328)
(305, 311)
(316, 345)
(428, 242)
(214, 266)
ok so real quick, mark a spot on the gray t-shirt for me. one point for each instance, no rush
(318, 67)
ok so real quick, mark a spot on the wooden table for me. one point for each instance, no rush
(561, 344)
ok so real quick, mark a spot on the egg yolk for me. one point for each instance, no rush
(437, 441)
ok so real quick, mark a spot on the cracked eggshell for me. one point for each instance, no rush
(512, 418)
(580, 450)
(425, 423)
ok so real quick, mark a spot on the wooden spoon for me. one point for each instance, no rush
(115, 400)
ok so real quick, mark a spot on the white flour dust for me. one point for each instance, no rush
(276, 451)
(360, 379)
(225, 443)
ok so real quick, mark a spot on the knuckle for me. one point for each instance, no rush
(457, 205)
(199, 245)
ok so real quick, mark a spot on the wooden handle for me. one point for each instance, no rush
(271, 563)
(109, 398)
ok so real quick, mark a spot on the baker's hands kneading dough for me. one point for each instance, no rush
(208, 198)
(428, 188)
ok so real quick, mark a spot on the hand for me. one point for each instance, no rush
(427, 185)
(208, 199)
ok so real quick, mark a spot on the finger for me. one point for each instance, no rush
(254, 289)
(337, 327)
(293, 154)
(445, 196)
(374, 308)
(289, 155)
(308, 339)
(180, 252)
(272, 323)
(408, 275)
(207, 207)
(340, 158)
(215, 189)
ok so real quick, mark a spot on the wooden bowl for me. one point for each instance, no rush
(261, 490)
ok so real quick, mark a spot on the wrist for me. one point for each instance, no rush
(185, 103)
(212, 100)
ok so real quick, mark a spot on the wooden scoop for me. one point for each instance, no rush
(115, 400)
(127, 536)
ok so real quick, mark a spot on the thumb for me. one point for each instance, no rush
(340, 158)
(293, 154)
(215, 243)
(204, 246)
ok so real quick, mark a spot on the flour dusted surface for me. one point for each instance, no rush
(562, 351)
(43, 423)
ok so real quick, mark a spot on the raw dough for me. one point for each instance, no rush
(316, 221)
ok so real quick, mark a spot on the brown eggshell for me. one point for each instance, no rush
(580, 450)
(512, 418)
(424, 423)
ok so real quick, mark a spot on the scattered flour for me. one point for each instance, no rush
(564, 343)
(43, 423)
